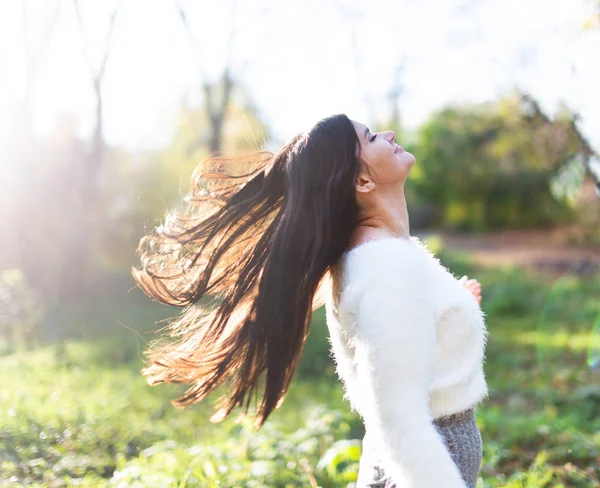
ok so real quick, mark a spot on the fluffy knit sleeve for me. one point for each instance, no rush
(394, 350)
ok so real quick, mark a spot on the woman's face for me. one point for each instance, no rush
(389, 162)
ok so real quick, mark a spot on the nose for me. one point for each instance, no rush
(391, 136)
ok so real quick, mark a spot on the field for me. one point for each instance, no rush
(80, 414)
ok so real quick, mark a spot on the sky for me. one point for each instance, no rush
(298, 60)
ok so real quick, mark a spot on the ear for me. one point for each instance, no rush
(363, 185)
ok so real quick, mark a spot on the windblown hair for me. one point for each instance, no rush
(259, 243)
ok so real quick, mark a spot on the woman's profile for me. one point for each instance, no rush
(324, 220)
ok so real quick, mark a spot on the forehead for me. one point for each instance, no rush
(360, 128)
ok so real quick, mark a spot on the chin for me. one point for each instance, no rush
(408, 159)
(408, 155)
(404, 155)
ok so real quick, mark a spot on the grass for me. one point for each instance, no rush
(80, 414)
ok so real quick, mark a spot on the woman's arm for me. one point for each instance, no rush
(394, 360)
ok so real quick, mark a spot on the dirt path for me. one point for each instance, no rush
(552, 250)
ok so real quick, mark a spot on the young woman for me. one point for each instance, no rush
(324, 220)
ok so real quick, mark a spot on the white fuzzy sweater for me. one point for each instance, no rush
(408, 341)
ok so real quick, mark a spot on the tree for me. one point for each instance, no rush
(144, 187)
(217, 94)
(87, 214)
(21, 165)
(491, 165)
(593, 20)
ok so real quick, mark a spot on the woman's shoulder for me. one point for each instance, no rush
(385, 253)
(389, 266)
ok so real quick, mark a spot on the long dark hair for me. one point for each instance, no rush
(262, 242)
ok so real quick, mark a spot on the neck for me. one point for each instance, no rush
(388, 212)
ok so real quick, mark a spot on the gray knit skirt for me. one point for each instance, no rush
(461, 436)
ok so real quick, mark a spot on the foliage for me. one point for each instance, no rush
(144, 187)
(492, 165)
(135, 188)
(104, 423)
(82, 414)
(20, 310)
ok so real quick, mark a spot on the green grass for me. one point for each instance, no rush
(80, 414)
(85, 421)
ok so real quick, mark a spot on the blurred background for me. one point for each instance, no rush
(106, 107)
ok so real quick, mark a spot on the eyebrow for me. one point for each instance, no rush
(366, 131)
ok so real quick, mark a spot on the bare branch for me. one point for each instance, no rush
(589, 154)
(215, 109)
(232, 35)
(35, 55)
(197, 47)
(82, 29)
(47, 34)
(109, 34)
(97, 75)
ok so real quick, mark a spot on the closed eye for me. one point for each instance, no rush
(373, 136)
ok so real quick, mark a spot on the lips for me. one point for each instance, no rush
(398, 148)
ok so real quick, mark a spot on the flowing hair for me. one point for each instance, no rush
(261, 243)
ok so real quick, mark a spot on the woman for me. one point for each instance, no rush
(324, 220)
